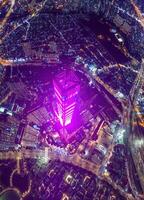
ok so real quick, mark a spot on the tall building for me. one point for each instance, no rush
(66, 87)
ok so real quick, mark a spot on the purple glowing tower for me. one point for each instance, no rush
(66, 87)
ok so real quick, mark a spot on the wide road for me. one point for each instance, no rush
(134, 137)
(55, 153)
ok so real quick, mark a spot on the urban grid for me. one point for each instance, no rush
(71, 100)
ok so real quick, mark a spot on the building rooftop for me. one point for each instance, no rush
(67, 80)
(92, 45)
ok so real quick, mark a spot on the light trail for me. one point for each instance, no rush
(94, 55)
(139, 18)
(133, 136)
(3, 3)
(5, 62)
(15, 26)
(27, 29)
(7, 14)
(138, 12)
(56, 153)
(6, 98)
(119, 65)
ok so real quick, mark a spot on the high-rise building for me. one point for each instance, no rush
(66, 87)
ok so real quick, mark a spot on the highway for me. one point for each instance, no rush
(134, 138)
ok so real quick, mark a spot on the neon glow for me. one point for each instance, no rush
(66, 87)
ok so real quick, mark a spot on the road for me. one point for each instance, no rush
(134, 137)
(56, 153)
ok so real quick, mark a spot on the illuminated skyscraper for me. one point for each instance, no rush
(66, 87)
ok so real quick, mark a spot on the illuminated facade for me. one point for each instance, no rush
(66, 87)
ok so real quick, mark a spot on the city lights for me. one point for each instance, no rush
(71, 100)
(66, 87)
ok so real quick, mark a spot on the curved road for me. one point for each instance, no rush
(55, 153)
